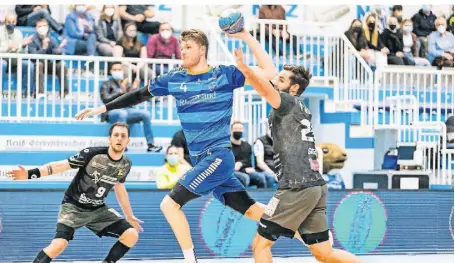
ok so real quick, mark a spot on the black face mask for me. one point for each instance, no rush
(392, 27)
(237, 135)
(371, 26)
(357, 29)
(10, 27)
(400, 19)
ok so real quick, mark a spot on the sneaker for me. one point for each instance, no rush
(154, 148)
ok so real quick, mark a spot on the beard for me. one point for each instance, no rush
(118, 148)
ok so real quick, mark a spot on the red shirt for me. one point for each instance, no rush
(157, 47)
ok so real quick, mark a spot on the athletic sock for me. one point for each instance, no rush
(42, 258)
(190, 255)
(116, 253)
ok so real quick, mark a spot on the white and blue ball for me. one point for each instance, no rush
(231, 21)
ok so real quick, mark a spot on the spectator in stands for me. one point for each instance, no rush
(179, 141)
(108, 31)
(142, 15)
(118, 86)
(372, 35)
(450, 22)
(264, 161)
(397, 12)
(244, 170)
(381, 15)
(43, 44)
(409, 41)
(392, 41)
(356, 36)
(440, 45)
(450, 130)
(423, 26)
(130, 46)
(11, 41)
(27, 15)
(174, 167)
(277, 12)
(163, 45)
(80, 32)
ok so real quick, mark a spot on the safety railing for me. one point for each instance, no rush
(433, 90)
(55, 87)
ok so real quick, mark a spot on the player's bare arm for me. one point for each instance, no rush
(260, 84)
(45, 170)
(266, 68)
(127, 100)
(124, 202)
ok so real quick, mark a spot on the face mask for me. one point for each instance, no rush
(357, 29)
(400, 19)
(117, 75)
(407, 29)
(10, 27)
(371, 26)
(131, 34)
(109, 11)
(441, 29)
(166, 34)
(81, 9)
(426, 9)
(237, 135)
(393, 27)
(42, 30)
(172, 159)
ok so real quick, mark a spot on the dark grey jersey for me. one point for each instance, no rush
(293, 143)
(97, 174)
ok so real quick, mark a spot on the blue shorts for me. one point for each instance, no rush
(213, 171)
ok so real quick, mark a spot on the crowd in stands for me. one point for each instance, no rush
(114, 34)
(420, 40)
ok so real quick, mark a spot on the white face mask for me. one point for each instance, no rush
(117, 75)
(441, 29)
(42, 30)
(109, 11)
(131, 34)
(166, 34)
(81, 9)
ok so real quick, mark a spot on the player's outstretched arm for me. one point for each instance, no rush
(127, 100)
(45, 170)
(259, 83)
(124, 202)
(266, 68)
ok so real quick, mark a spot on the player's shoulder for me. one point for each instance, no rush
(223, 68)
(177, 70)
(95, 150)
(127, 161)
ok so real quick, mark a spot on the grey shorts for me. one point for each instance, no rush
(103, 221)
(290, 211)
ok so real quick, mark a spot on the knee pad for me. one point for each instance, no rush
(64, 232)
(181, 195)
(116, 229)
(314, 238)
(240, 201)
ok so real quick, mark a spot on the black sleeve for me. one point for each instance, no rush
(82, 158)
(23, 10)
(287, 102)
(129, 99)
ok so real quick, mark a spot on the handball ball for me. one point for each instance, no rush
(231, 21)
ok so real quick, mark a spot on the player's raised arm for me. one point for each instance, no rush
(266, 68)
(259, 83)
(45, 170)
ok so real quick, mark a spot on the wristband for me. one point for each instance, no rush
(34, 173)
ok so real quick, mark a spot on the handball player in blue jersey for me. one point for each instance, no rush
(204, 97)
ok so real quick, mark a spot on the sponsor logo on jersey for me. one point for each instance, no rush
(312, 151)
(112, 165)
(96, 176)
(99, 166)
(200, 98)
(108, 179)
(83, 199)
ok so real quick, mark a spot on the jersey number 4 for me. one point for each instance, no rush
(307, 132)
(100, 192)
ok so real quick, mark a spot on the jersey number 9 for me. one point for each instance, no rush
(100, 192)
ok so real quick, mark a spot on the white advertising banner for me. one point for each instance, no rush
(137, 173)
(67, 143)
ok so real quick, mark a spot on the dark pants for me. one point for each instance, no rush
(394, 60)
(60, 71)
(130, 115)
(28, 72)
(43, 13)
(86, 46)
(275, 43)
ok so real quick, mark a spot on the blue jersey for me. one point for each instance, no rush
(204, 103)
